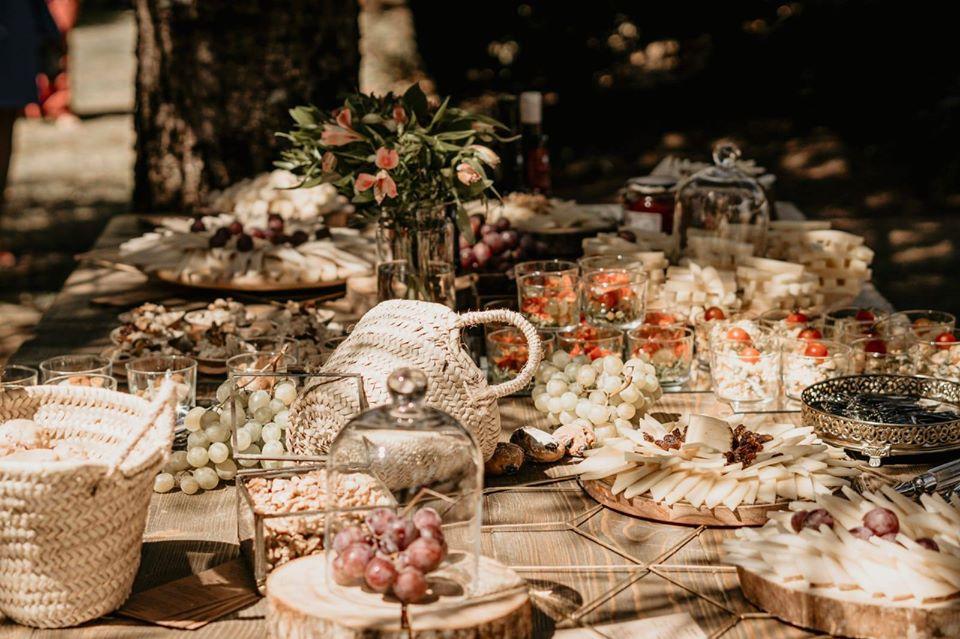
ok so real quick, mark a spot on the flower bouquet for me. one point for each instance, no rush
(402, 161)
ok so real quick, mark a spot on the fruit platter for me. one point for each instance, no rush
(874, 564)
(704, 470)
(219, 252)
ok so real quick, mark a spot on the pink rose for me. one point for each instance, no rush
(387, 158)
(383, 185)
(337, 136)
(486, 154)
(467, 174)
(399, 115)
(344, 118)
(328, 162)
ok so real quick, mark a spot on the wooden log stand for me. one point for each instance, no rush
(850, 618)
(300, 606)
(680, 513)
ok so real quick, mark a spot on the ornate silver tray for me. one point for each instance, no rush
(876, 439)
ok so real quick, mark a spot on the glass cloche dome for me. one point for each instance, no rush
(416, 538)
(721, 201)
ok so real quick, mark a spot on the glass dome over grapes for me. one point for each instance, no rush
(417, 539)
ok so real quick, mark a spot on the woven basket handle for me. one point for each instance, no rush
(165, 399)
(534, 349)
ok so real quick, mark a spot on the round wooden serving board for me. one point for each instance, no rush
(299, 606)
(864, 620)
(680, 513)
(271, 287)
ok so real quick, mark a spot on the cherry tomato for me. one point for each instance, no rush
(877, 346)
(945, 340)
(922, 322)
(797, 317)
(650, 348)
(750, 355)
(863, 315)
(714, 313)
(738, 334)
(810, 333)
(816, 349)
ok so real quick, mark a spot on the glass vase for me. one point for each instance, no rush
(423, 243)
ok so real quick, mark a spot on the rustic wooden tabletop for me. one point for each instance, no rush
(586, 565)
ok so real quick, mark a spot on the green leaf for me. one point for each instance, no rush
(438, 116)
(416, 100)
(463, 223)
(304, 116)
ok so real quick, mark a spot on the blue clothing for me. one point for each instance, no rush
(25, 25)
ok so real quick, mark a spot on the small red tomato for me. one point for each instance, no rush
(945, 340)
(816, 349)
(877, 346)
(863, 315)
(650, 348)
(750, 355)
(797, 317)
(714, 313)
(738, 334)
(922, 322)
(810, 333)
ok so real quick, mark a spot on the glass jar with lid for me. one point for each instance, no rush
(418, 537)
(723, 202)
(648, 203)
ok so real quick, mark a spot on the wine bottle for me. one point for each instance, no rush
(536, 158)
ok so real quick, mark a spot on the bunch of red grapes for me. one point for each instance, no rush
(274, 233)
(390, 553)
(497, 247)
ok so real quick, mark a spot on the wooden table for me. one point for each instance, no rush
(586, 564)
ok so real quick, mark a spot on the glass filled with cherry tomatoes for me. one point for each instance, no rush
(883, 355)
(548, 293)
(937, 355)
(851, 323)
(809, 361)
(745, 364)
(920, 323)
(614, 297)
(668, 349)
(794, 324)
(593, 341)
(507, 352)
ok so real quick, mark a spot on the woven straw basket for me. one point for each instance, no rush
(411, 334)
(70, 531)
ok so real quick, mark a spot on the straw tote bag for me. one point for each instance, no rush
(71, 531)
(411, 334)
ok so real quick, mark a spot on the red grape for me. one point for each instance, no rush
(299, 237)
(482, 253)
(198, 226)
(861, 532)
(411, 586)
(432, 532)
(323, 233)
(219, 238)
(244, 242)
(258, 233)
(379, 519)
(464, 242)
(424, 554)
(426, 517)
(275, 222)
(399, 534)
(346, 537)
(494, 242)
(882, 521)
(796, 522)
(510, 238)
(355, 560)
(486, 228)
(502, 224)
(629, 236)
(929, 544)
(235, 228)
(816, 518)
(339, 575)
(380, 574)
(467, 258)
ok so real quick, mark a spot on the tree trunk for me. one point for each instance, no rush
(215, 80)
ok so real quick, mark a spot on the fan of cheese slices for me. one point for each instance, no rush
(705, 462)
(878, 546)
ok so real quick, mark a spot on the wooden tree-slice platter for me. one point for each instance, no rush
(267, 287)
(680, 512)
(849, 618)
(300, 606)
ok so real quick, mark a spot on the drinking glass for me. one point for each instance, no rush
(850, 323)
(145, 375)
(614, 296)
(592, 341)
(14, 375)
(922, 323)
(876, 355)
(507, 352)
(745, 372)
(397, 280)
(807, 362)
(79, 364)
(547, 293)
(88, 380)
(669, 350)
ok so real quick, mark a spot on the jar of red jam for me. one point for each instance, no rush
(648, 203)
